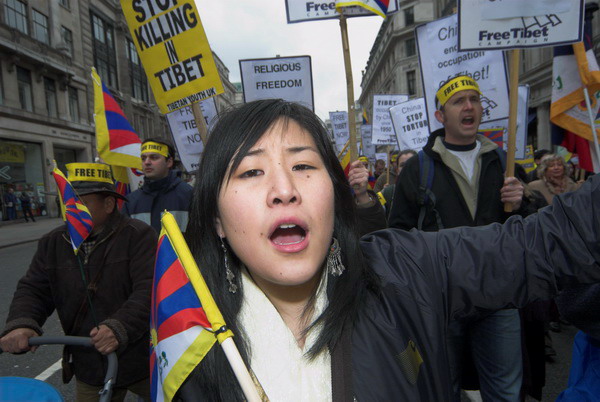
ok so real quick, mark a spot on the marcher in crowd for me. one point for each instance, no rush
(10, 203)
(117, 260)
(26, 205)
(318, 316)
(384, 179)
(553, 178)
(387, 194)
(467, 188)
(537, 159)
(162, 189)
(379, 168)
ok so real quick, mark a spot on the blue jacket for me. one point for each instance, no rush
(149, 202)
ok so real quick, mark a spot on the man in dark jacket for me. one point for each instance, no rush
(117, 260)
(162, 189)
(469, 189)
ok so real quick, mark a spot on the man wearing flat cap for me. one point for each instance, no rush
(117, 261)
(458, 180)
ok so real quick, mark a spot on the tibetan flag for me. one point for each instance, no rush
(365, 119)
(495, 134)
(122, 184)
(573, 68)
(378, 7)
(372, 180)
(117, 142)
(74, 213)
(185, 321)
(346, 163)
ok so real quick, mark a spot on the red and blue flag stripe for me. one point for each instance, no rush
(120, 131)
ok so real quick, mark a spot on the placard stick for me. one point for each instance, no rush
(515, 56)
(350, 88)
(387, 179)
(200, 122)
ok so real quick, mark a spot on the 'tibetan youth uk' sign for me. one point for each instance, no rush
(309, 10)
(288, 78)
(174, 50)
(560, 22)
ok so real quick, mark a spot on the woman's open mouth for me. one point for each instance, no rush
(289, 237)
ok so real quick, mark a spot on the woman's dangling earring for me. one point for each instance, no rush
(334, 259)
(228, 272)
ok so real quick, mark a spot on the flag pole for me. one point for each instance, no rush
(588, 105)
(343, 149)
(515, 57)
(349, 86)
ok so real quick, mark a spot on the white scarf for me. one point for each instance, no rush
(275, 357)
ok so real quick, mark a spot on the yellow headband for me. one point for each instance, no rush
(155, 148)
(97, 172)
(461, 83)
(394, 158)
(363, 159)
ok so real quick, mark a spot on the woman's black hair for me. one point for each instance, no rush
(235, 133)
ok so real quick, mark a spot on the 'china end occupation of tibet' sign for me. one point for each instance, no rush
(511, 24)
(288, 78)
(174, 50)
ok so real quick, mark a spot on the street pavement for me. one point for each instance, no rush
(18, 242)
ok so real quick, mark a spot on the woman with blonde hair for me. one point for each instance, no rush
(553, 178)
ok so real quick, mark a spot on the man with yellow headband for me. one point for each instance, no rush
(162, 189)
(458, 180)
(113, 268)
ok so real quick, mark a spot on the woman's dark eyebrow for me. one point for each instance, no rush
(295, 150)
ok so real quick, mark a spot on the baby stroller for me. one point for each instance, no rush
(28, 389)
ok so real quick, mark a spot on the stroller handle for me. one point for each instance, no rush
(111, 371)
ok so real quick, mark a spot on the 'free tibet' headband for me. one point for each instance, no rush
(155, 148)
(460, 83)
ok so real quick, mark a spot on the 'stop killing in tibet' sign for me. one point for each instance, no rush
(510, 24)
(174, 50)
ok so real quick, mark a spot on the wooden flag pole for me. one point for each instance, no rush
(350, 88)
(200, 122)
(389, 164)
(515, 57)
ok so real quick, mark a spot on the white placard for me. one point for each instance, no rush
(368, 149)
(522, 123)
(410, 124)
(440, 60)
(483, 25)
(341, 131)
(288, 78)
(383, 129)
(310, 10)
(383, 156)
(185, 133)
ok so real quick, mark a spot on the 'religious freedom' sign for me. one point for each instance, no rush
(383, 129)
(309, 10)
(341, 131)
(511, 24)
(288, 78)
(410, 123)
(185, 132)
(174, 50)
(440, 60)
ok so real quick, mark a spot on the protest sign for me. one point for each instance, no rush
(527, 162)
(174, 50)
(440, 60)
(383, 156)
(185, 132)
(341, 132)
(288, 78)
(522, 122)
(410, 124)
(368, 149)
(515, 24)
(383, 129)
(310, 10)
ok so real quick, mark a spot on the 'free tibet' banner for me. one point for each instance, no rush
(341, 131)
(185, 132)
(512, 24)
(288, 78)
(383, 129)
(440, 60)
(367, 147)
(174, 50)
(410, 124)
(309, 10)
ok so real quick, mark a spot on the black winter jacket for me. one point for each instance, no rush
(124, 258)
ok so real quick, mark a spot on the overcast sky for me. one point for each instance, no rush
(252, 29)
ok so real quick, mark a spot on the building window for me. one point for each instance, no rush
(64, 3)
(67, 39)
(104, 51)
(15, 15)
(139, 83)
(73, 104)
(24, 85)
(409, 46)
(50, 92)
(409, 16)
(40, 27)
(411, 82)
